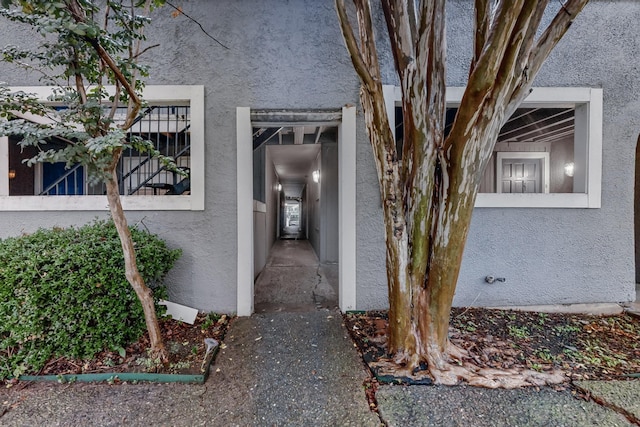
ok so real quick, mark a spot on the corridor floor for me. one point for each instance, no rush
(294, 281)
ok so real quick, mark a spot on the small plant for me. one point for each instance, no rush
(211, 319)
(542, 318)
(175, 347)
(148, 363)
(536, 367)
(596, 355)
(64, 380)
(565, 329)
(571, 354)
(545, 355)
(521, 332)
(470, 326)
(180, 365)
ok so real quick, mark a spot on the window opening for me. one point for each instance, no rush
(173, 122)
(529, 130)
(167, 127)
(549, 151)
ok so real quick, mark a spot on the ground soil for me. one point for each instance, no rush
(184, 342)
(582, 346)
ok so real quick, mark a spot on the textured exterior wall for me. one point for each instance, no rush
(283, 54)
(568, 255)
(290, 54)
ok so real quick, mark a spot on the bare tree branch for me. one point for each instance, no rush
(79, 80)
(199, 25)
(481, 29)
(76, 12)
(413, 18)
(144, 50)
(352, 45)
(547, 41)
(554, 32)
(135, 103)
(367, 42)
(401, 35)
(484, 74)
(116, 100)
(488, 64)
(105, 26)
(431, 56)
(521, 74)
(522, 37)
(536, 18)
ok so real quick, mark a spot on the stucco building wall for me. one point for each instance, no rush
(290, 54)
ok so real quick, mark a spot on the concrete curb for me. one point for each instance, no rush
(597, 309)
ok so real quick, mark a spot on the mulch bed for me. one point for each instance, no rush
(582, 346)
(184, 343)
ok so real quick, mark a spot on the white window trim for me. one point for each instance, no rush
(589, 110)
(541, 155)
(157, 95)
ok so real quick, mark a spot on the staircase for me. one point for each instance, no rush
(167, 127)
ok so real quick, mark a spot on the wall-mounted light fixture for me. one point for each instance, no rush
(279, 187)
(12, 173)
(569, 168)
(316, 176)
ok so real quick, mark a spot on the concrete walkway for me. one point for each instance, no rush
(530, 407)
(294, 280)
(293, 364)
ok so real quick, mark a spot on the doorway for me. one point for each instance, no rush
(295, 176)
(344, 122)
(291, 224)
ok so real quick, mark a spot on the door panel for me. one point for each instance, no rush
(521, 176)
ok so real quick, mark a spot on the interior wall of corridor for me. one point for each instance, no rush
(265, 215)
(322, 202)
(272, 196)
(329, 206)
(313, 205)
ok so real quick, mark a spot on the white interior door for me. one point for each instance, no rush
(521, 176)
(522, 172)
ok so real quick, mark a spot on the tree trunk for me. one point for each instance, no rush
(428, 191)
(144, 293)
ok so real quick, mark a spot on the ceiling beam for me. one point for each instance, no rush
(296, 117)
(298, 135)
(319, 131)
(265, 136)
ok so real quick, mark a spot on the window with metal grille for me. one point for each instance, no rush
(173, 122)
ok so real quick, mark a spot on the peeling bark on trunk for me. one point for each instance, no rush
(428, 196)
(144, 293)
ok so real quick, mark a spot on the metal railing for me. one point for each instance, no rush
(167, 127)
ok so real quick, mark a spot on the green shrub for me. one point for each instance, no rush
(63, 292)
